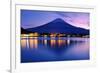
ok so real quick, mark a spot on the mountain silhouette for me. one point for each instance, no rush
(58, 26)
(24, 31)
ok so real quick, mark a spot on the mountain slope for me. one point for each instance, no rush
(58, 26)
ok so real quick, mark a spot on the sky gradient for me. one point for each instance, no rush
(34, 18)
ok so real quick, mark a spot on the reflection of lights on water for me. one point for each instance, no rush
(58, 42)
(53, 42)
(45, 39)
(68, 41)
(29, 42)
(45, 42)
(33, 42)
(61, 42)
(24, 42)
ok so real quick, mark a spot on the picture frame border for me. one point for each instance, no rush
(13, 61)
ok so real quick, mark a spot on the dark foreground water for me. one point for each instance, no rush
(43, 49)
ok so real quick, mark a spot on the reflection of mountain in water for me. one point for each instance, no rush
(36, 50)
(58, 26)
(60, 46)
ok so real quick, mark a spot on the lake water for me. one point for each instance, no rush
(43, 49)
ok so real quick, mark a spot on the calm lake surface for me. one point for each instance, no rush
(43, 49)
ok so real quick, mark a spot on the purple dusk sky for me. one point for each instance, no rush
(33, 18)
